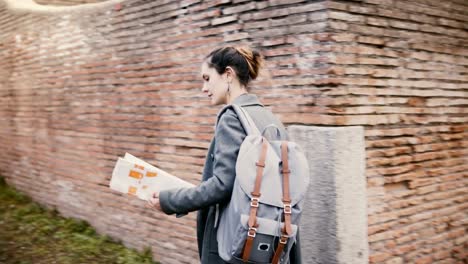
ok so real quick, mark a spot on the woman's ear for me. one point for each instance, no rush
(230, 73)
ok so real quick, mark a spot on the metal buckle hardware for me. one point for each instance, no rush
(254, 202)
(253, 230)
(287, 209)
(283, 240)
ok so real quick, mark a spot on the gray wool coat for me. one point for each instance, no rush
(218, 176)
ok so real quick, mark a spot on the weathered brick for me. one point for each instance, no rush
(317, 16)
(422, 18)
(340, 37)
(239, 8)
(345, 16)
(283, 2)
(403, 25)
(448, 22)
(371, 40)
(237, 36)
(401, 250)
(396, 260)
(274, 42)
(387, 12)
(377, 21)
(379, 257)
(362, 9)
(293, 19)
(316, 27)
(307, 8)
(257, 24)
(380, 2)
(223, 20)
(424, 260)
(336, 5)
(381, 236)
(264, 14)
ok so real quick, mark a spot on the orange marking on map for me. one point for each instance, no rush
(135, 174)
(132, 190)
(139, 167)
(151, 174)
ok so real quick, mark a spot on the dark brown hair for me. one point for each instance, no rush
(245, 62)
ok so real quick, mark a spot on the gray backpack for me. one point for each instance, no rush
(260, 222)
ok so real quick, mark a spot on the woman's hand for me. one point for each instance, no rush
(153, 202)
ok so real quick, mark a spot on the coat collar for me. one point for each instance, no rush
(247, 99)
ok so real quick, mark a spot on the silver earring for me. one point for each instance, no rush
(229, 86)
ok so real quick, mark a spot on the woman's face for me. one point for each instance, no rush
(214, 85)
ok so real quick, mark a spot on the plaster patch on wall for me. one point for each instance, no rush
(123, 219)
(67, 195)
(18, 39)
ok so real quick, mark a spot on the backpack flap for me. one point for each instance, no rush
(299, 178)
(271, 187)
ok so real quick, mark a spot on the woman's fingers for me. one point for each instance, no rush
(148, 204)
(154, 203)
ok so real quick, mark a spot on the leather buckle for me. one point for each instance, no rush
(254, 202)
(287, 209)
(283, 239)
(252, 232)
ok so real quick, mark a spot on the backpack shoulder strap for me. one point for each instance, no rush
(244, 117)
(246, 120)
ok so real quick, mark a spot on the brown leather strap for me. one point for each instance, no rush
(253, 213)
(255, 203)
(285, 171)
(260, 166)
(287, 223)
(248, 245)
(279, 249)
(286, 196)
(258, 181)
(287, 229)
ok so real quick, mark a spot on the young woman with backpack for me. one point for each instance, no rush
(226, 74)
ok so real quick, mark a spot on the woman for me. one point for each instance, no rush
(226, 73)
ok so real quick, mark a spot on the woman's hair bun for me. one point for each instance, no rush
(254, 60)
(245, 61)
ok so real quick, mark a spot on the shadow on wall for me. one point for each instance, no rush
(43, 6)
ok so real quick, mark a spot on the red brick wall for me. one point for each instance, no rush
(79, 89)
(401, 69)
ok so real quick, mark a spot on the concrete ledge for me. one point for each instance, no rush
(334, 222)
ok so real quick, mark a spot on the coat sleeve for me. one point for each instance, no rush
(229, 135)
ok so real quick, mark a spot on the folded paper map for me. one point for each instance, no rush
(134, 176)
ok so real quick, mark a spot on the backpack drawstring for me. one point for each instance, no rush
(216, 215)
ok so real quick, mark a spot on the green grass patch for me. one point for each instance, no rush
(30, 233)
